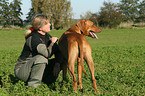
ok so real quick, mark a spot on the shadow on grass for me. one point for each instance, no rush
(7, 78)
(1, 84)
(13, 79)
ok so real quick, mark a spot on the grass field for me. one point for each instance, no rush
(119, 58)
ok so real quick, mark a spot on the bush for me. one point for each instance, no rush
(109, 17)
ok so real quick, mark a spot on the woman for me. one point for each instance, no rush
(33, 65)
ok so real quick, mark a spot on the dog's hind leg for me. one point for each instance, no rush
(71, 66)
(64, 70)
(80, 73)
(74, 79)
(89, 60)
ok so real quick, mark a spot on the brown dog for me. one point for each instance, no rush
(73, 46)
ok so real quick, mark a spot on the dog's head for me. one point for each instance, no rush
(88, 28)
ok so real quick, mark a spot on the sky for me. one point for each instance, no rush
(79, 7)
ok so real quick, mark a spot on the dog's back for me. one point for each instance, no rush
(71, 44)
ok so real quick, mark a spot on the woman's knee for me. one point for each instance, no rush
(39, 59)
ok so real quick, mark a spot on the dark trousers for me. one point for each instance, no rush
(37, 70)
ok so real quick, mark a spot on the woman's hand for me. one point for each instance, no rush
(54, 39)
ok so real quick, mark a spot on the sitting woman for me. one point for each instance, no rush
(33, 65)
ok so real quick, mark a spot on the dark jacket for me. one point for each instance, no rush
(37, 44)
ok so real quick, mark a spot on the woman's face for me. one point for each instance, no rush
(46, 28)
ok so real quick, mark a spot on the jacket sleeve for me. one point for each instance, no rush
(54, 49)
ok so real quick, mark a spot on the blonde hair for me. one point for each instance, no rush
(38, 22)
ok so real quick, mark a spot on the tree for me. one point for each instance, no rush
(10, 13)
(109, 17)
(87, 15)
(141, 9)
(129, 9)
(16, 12)
(5, 13)
(58, 11)
(30, 15)
(94, 18)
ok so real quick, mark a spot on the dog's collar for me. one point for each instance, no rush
(80, 30)
(76, 25)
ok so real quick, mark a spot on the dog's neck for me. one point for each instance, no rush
(75, 28)
(80, 31)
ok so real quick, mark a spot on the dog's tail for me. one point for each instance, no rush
(80, 45)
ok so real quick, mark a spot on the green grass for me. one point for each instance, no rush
(119, 58)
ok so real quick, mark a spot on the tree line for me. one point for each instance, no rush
(111, 14)
(10, 13)
(60, 13)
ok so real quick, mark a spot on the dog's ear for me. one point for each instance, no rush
(82, 26)
(89, 23)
